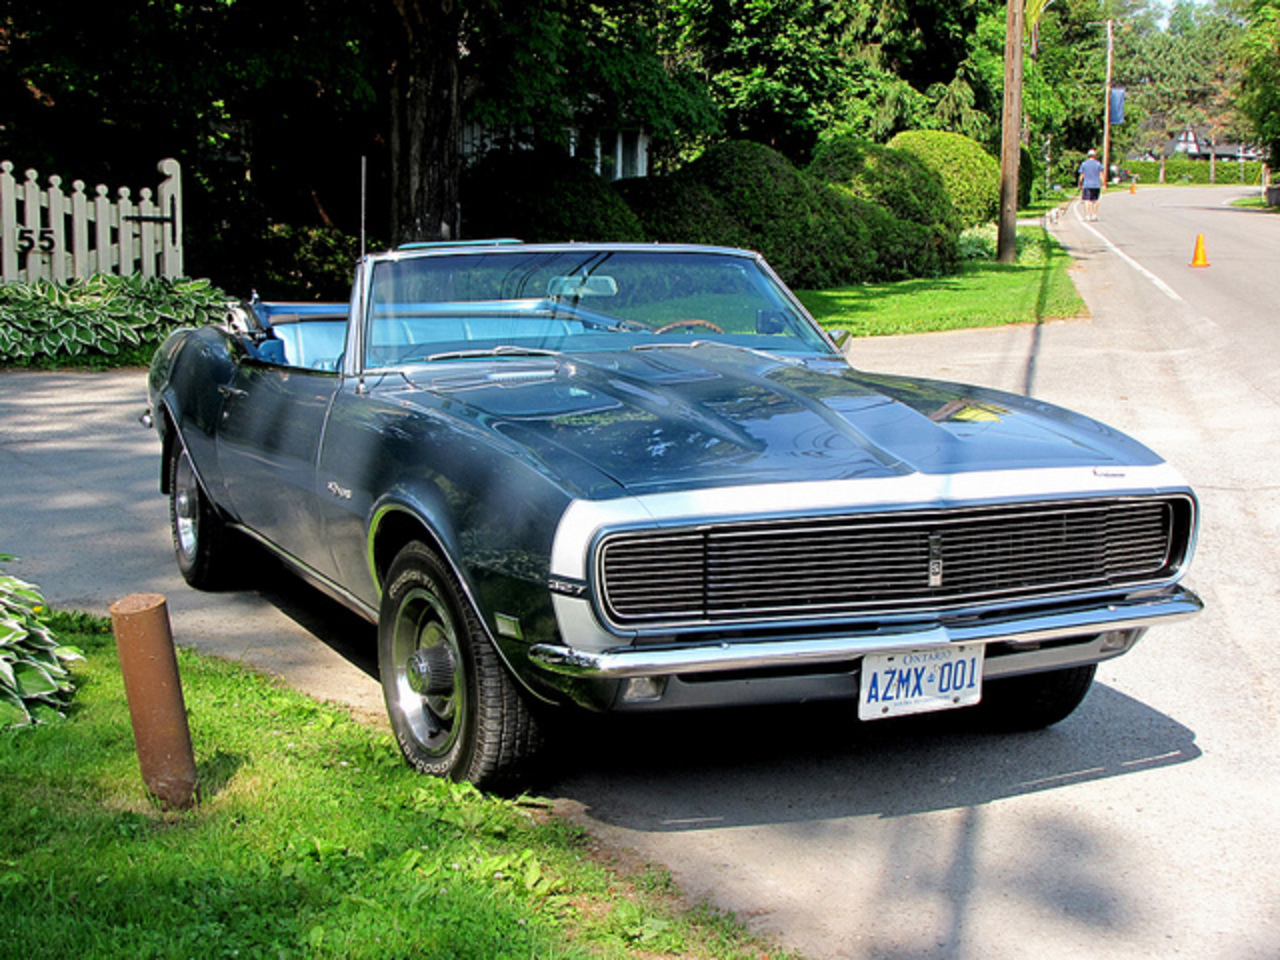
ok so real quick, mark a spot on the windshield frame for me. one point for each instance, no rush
(802, 336)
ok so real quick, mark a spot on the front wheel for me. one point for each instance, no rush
(1034, 701)
(454, 709)
(201, 540)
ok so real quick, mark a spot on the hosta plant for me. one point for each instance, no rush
(102, 315)
(35, 685)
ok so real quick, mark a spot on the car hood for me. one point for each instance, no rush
(679, 417)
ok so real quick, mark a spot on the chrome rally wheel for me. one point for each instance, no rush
(455, 710)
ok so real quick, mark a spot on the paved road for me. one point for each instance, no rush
(1146, 825)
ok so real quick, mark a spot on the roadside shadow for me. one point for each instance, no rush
(346, 633)
(672, 773)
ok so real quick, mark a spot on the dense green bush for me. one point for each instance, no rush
(970, 174)
(895, 179)
(35, 686)
(543, 195)
(1030, 178)
(798, 224)
(1183, 170)
(123, 318)
(815, 235)
(306, 263)
(894, 249)
(1066, 169)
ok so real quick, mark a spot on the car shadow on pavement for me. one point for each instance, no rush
(346, 633)
(694, 771)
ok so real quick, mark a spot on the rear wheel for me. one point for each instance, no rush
(1034, 701)
(201, 540)
(455, 710)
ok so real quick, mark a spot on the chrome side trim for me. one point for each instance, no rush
(623, 662)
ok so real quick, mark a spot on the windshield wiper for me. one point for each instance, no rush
(502, 350)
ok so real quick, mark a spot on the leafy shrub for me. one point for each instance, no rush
(970, 174)
(681, 209)
(1066, 169)
(748, 195)
(895, 179)
(120, 317)
(900, 249)
(543, 195)
(1030, 177)
(1184, 170)
(982, 243)
(307, 263)
(35, 686)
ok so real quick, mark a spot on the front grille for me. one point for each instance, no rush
(887, 563)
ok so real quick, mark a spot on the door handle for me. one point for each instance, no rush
(229, 391)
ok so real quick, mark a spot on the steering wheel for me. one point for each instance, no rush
(691, 322)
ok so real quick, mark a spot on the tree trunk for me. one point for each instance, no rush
(426, 122)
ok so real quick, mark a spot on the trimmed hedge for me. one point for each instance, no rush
(748, 195)
(895, 179)
(121, 318)
(1183, 170)
(970, 174)
(543, 195)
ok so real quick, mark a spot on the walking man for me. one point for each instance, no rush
(1090, 184)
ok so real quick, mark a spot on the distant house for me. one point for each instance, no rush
(614, 154)
(1199, 144)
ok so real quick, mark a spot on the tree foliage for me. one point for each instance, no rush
(1260, 56)
(272, 106)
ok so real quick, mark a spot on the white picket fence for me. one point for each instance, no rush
(49, 234)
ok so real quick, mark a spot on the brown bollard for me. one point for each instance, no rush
(151, 684)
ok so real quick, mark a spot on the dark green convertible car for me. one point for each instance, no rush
(640, 477)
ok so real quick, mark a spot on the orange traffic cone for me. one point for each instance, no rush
(1133, 187)
(1199, 259)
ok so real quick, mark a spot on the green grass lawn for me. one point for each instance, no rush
(982, 294)
(311, 839)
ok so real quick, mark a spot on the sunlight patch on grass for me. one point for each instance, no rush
(982, 294)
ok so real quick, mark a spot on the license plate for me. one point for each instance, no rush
(919, 681)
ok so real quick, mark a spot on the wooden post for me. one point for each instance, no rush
(1011, 135)
(8, 224)
(125, 231)
(171, 206)
(54, 243)
(79, 231)
(31, 224)
(147, 231)
(102, 248)
(1106, 122)
(154, 690)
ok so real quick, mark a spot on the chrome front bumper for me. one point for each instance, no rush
(1127, 617)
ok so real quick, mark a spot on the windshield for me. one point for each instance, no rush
(452, 306)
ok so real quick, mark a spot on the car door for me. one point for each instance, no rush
(268, 441)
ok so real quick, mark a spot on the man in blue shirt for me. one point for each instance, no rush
(1090, 184)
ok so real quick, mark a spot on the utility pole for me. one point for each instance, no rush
(1106, 123)
(1011, 135)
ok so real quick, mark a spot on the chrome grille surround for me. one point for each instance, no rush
(887, 564)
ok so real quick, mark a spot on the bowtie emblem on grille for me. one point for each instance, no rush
(935, 559)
